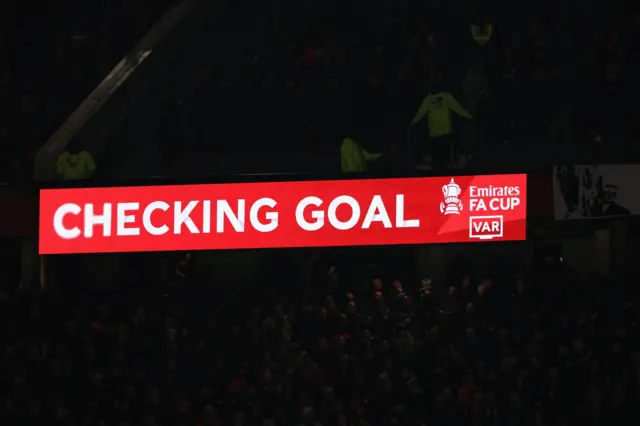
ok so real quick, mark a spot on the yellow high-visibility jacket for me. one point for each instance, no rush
(75, 166)
(438, 109)
(482, 33)
(354, 158)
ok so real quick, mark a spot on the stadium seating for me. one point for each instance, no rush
(304, 84)
(284, 86)
(334, 343)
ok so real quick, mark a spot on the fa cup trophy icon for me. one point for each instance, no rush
(451, 203)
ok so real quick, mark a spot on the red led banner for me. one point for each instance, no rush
(283, 214)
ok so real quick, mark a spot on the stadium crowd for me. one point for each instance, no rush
(477, 349)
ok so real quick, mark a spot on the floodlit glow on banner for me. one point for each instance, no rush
(283, 214)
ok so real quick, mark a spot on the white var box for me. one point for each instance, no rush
(495, 224)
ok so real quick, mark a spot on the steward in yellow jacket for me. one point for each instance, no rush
(481, 32)
(354, 158)
(437, 107)
(75, 165)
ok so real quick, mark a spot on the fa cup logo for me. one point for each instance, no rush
(451, 203)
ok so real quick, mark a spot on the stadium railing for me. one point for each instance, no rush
(46, 156)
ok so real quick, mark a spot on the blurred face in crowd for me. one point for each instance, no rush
(373, 81)
(406, 301)
(426, 285)
(268, 325)
(130, 391)
(323, 343)
(578, 346)
(385, 382)
(612, 72)
(563, 351)
(536, 363)
(610, 193)
(469, 309)
(172, 330)
(377, 284)
(331, 305)
(209, 413)
(153, 396)
(278, 311)
(341, 420)
(344, 362)
(339, 343)
(471, 335)
(431, 41)
(255, 312)
(35, 407)
(507, 364)
(321, 314)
